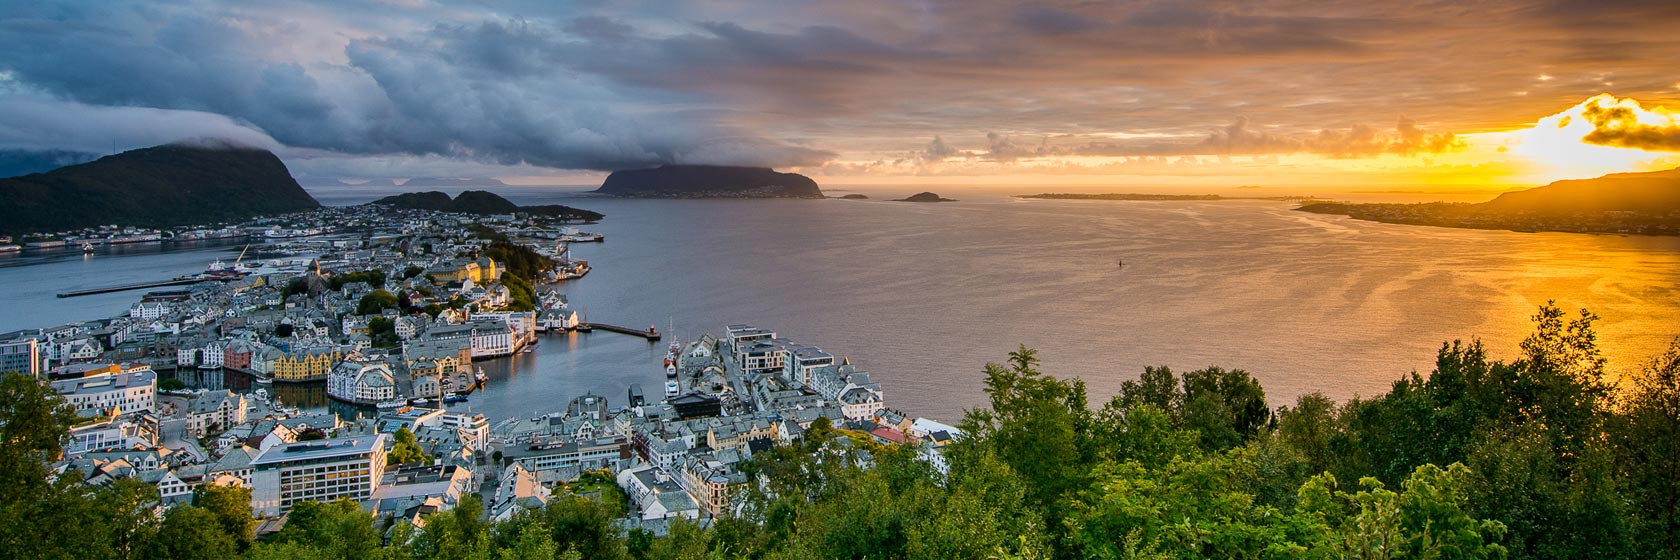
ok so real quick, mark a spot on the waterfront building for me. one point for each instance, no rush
(320, 470)
(306, 365)
(801, 359)
(127, 392)
(362, 382)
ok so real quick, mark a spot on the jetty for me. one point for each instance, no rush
(127, 287)
(650, 333)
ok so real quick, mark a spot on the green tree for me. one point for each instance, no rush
(192, 533)
(376, 301)
(406, 451)
(1647, 438)
(338, 530)
(231, 505)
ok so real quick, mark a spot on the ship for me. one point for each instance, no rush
(391, 404)
(454, 398)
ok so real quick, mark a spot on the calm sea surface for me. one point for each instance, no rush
(923, 295)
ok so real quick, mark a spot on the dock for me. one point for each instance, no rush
(127, 287)
(649, 334)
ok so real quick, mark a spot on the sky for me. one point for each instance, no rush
(1459, 94)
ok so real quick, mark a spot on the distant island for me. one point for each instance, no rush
(1640, 203)
(481, 202)
(1157, 197)
(708, 181)
(855, 197)
(160, 186)
(924, 197)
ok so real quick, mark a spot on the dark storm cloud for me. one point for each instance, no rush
(610, 85)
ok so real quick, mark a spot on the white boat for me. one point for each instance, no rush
(672, 388)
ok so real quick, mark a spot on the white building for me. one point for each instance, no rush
(362, 382)
(112, 434)
(320, 470)
(217, 409)
(656, 494)
(134, 391)
(148, 310)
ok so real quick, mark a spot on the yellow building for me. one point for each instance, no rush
(307, 365)
(479, 272)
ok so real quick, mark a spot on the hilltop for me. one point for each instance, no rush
(480, 202)
(161, 186)
(1647, 203)
(709, 181)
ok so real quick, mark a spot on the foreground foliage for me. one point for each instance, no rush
(1544, 456)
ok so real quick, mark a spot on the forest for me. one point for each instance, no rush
(1543, 455)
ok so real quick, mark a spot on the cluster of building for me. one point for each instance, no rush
(678, 457)
(731, 397)
(677, 453)
(301, 320)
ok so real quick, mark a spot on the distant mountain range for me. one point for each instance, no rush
(709, 181)
(1647, 203)
(161, 186)
(416, 182)
(480, 202)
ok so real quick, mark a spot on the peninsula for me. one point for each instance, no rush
(1640, 203)
(708, 181)
(160, 186)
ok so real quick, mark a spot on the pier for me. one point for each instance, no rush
(649, 334)
(127, 287)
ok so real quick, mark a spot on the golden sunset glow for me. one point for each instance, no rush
(1557, 144)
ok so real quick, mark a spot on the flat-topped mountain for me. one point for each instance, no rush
(161, 186)
(480, 202)
(709, 181)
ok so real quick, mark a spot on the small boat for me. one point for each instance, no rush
(454, 398)
(390, 404)
(421, 401)
(87, 248)
(672, 388)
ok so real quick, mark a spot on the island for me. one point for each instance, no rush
(481, 203)
(1636, 203)
(854, 197)
(160, 186)
(708, 181)
(1157, 197)
(924, 197)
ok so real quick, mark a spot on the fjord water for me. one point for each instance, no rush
(922, 295)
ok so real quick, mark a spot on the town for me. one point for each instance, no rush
(389, 314)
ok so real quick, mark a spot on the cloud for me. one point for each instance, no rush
(597, 85)
(1624, 123)
(483, 90)
(34, 124)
